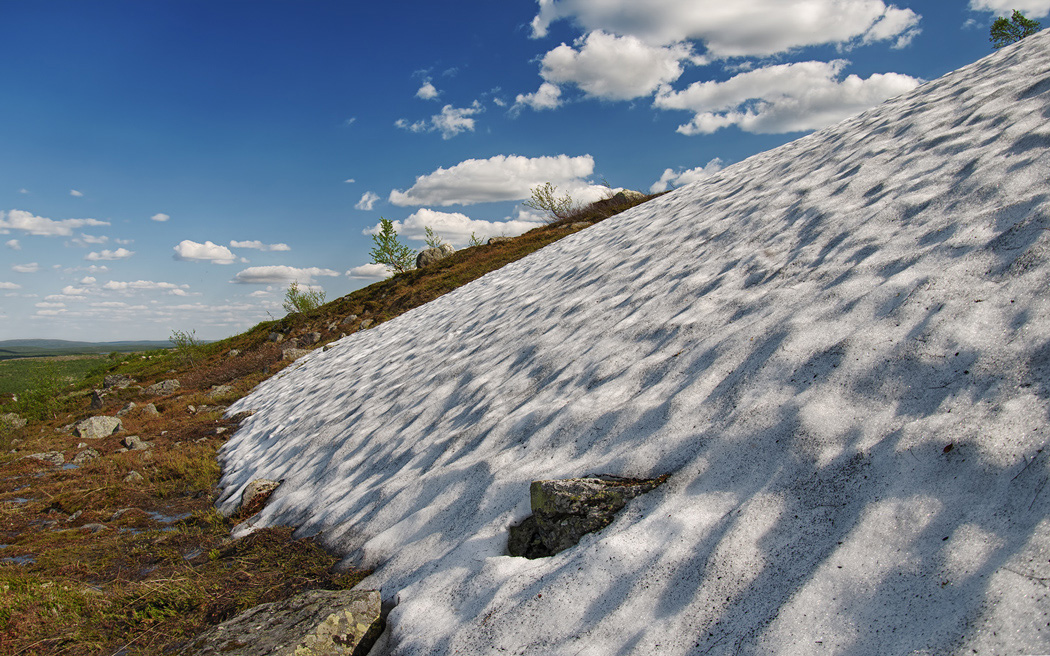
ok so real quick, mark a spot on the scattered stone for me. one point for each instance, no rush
(192, 409)
(275, 337)
(116, 381)
(126, 409)
(311, 338)
(94, 428)
(50, 457)
(292, 343)
(81, 445)
(121, 450)
(234, 353)
(93, 528)
(255, 496)
(326, 347)
(74, 516)
(133, 477)
(163, 388)
(219, 430)
(136, 443)
(350, 318)
(85, 456)
(428, 256)
(97, 399)
(294, 353)
(580, 225)
(219, 390)
(566, 510)
(151, 410)
(11, 421)
(498, 240)
(315, 623)
(366, 324)
(120, 513)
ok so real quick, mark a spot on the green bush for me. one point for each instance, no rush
(302, 300)
(545, 198)
(187, 346)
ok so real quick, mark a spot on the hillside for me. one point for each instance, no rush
(837, 350)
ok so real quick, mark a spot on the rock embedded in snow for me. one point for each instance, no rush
(315, 623)
(795, 338)
(95, 428)
(566, 510)
(255, 496)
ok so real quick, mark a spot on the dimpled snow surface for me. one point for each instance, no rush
(839, 350)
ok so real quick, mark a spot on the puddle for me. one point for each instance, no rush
(167, 519)
(17, 500)
(193, 554)
(70, 465)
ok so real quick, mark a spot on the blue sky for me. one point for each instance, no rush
(174, 165)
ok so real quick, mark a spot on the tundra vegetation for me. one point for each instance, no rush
(119, 550)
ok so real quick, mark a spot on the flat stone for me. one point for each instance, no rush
(50, 457)
(94, 428)
(136, 443)
(315, 623)
(128, 407)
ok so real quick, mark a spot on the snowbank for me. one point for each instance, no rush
(839, 350)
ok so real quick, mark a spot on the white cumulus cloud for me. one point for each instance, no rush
(428, 91)
(614, 67)
(548, 96)
(500, 178)
(450, 122)
(684, 177)
(457, 228)
(279, 274)
(9, 285)
(782, 98)
(160, 217)
(259, 246)
(1030, 8)
(32, 267)
(139, 285)
(119, 254)
(369, 272)
(367, 202)
(735, 29)
(74, 192)
(38, 225)
(191, 251)
(13, 244)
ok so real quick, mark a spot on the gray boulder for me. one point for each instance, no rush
(11, 421)
(566, 510)
(97, 399)
(428, 256)
(136, 443)
(627, 196)
(116, 381)
(276, 337)
(95, 428)
(163, 388)
(498, 240)
(315, 623)
(311, 338)
(151, 410)
(219, 390)
(350, 318)
(293, 353)
(366, 323)
(85, 456)
(133, 477)
(128, 407)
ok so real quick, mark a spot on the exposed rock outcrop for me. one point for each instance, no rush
(11, 421)
(315, 623)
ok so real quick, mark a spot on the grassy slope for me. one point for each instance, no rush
(91, 563)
